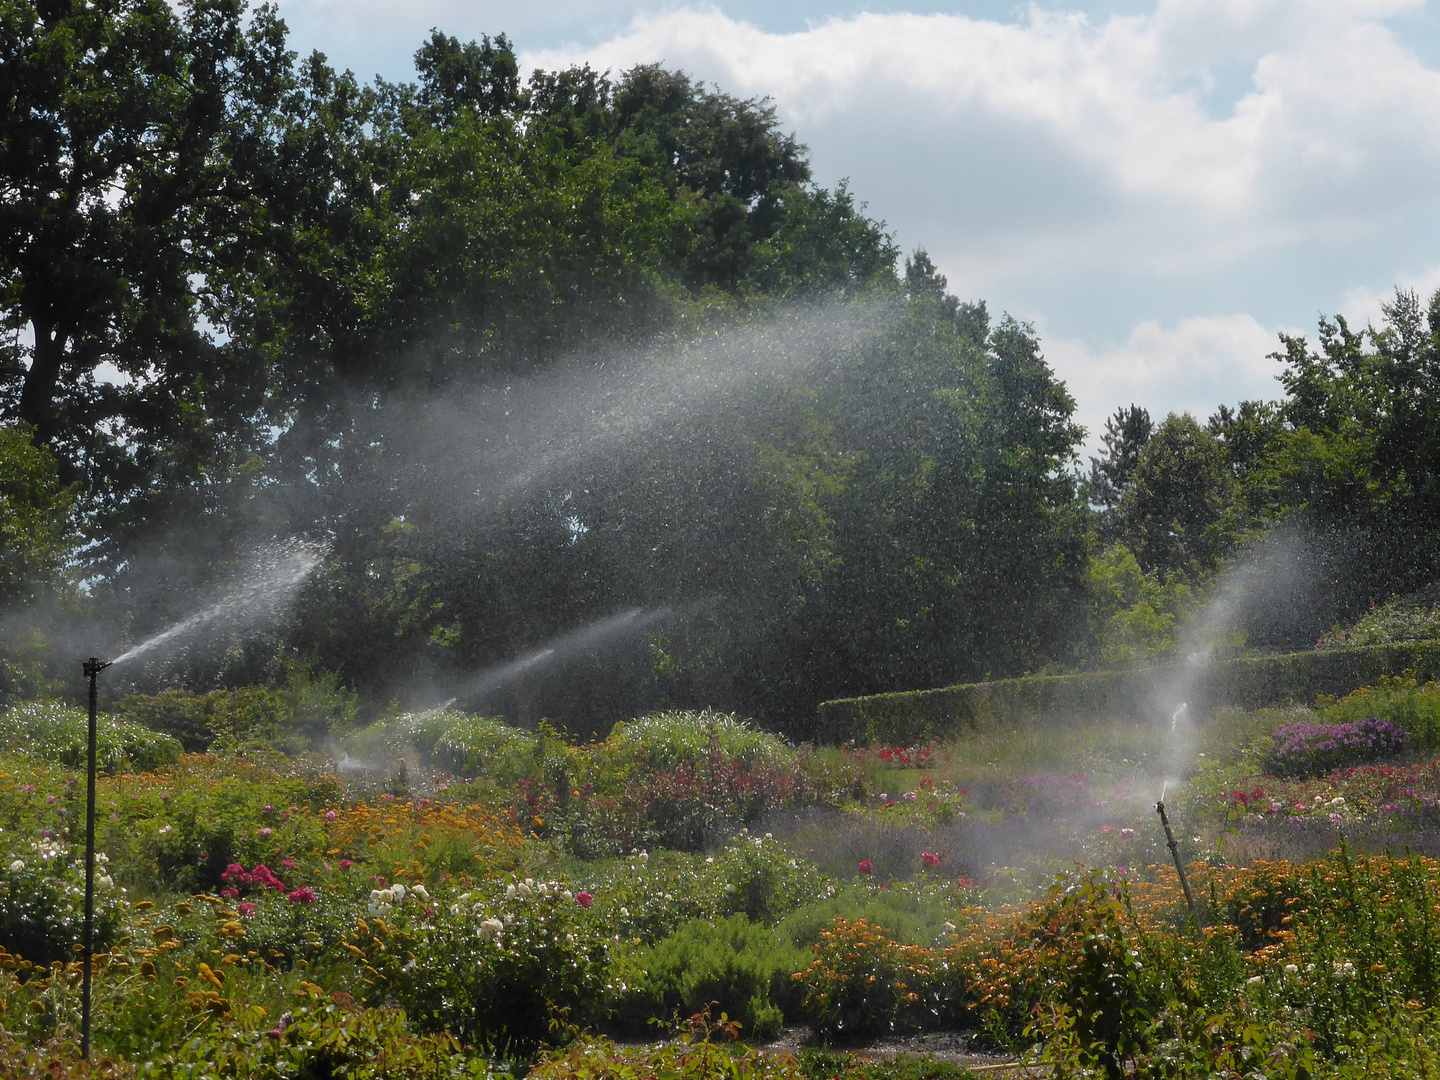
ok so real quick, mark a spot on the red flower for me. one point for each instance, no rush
(246, 908)
(865, 867)
(929, 859)
(345, 864)
(584, 899)
(302, 895)
(964, 883)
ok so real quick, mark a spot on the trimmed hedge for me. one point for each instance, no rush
(902, 719)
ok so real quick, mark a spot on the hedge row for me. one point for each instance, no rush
(902, 719)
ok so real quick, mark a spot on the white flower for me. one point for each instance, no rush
(510, 892)
(1339, 800)
(769, 836)
(542, 889)
(644, 856)
(624, 913)
(729, 888)
(567, 895)
(491, 928)
(101, 858)
(949, 926)
(421, 892)
(398, 892)
(1255, 980)
(710, 861)
(17, 866)
(164, 829)
(522, 889)
(105, 883)
(1292, 969)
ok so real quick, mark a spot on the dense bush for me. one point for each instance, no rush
(1413, 618)
(1404, 700)
(731, 965)
(506, 971)
(671, 739)
(1303, 749)
(57, 732)
(297, 715)
(862, 983)
(42, 898)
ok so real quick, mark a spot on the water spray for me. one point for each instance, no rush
(1175, 855)
(92, 669)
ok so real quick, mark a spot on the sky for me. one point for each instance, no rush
(1159, 186)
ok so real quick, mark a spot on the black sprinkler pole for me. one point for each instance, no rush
(1179, 867)
(93, 667)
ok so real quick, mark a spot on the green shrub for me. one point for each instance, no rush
(506, 972)
(42, 899)
(669, 739)
(295, 717)
(730, 965)
(1415, 706)
(1401, 618)
(485, 747)
(56, 732)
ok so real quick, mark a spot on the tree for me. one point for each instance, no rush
(1171, 513)
(124, 128)
(1126, 435)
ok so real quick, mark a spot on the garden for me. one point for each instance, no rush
(693, 896)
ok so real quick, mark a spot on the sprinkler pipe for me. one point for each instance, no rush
(92, 668)
(1179, 866)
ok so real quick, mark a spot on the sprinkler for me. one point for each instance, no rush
(1179, 867)
(92, 668)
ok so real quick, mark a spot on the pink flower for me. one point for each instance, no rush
(285, 815)
(1107, 828)
(964, 883)
(1127, 833)
(267, 809)
(929, 859)
(302, 895)
(288, 864)
(345, 864)
(246, 908)
(330, 815)
(231, 892)
(865, 867)
(584, 899)
(265, 832)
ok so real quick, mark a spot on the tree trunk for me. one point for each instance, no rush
(37, 398)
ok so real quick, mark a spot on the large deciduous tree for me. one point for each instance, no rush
(126, 133)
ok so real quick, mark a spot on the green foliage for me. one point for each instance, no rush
(295, 717)
(863, 983)
(729, 965)
(480, 746)
(37, 535)
(665, 740)
(503, 971)
(1414, 705)
(1171, 512)
(1246, 683)
(1398, 619)
(53, 731)
(1136, 614)
(42, 898)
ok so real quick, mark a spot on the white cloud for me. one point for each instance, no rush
(1194, 366)
(1015, 148)
(1362, 304)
